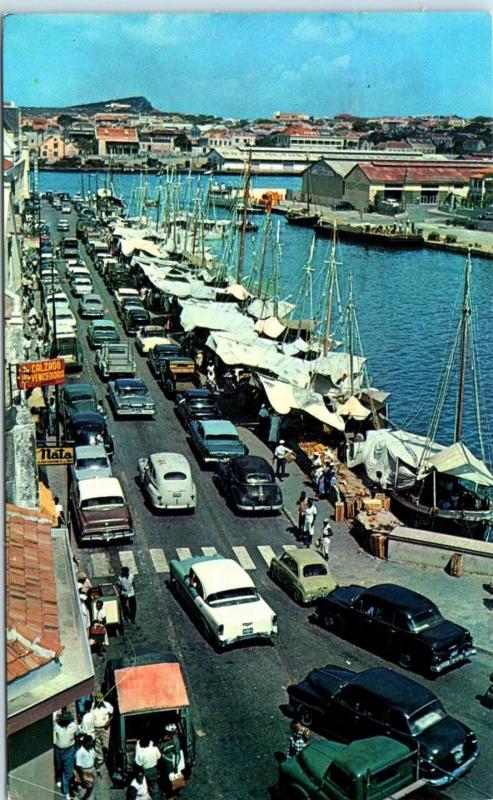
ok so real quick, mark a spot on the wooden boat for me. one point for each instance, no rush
(373, 235)
(302, 218)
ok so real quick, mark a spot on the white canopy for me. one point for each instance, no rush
(353, 408)
(270, 327)
(283, 397)
(261, 309)
(237, 290)
(129, 246)
(458, 460)
(213, 316)
(388, 452)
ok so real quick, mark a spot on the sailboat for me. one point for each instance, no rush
(432, 486)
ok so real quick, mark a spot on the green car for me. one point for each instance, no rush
(102, 331)
(304, 574)
(377, 768)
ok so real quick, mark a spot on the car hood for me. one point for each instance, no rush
(256, 611)
(444, 735)
(444, 634)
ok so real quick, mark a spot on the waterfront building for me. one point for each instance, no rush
(481, 187)
(117, 141)
(54, 148)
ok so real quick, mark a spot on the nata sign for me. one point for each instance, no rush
(40, 373)
(53, 456)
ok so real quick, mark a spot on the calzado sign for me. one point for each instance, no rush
(40, 373)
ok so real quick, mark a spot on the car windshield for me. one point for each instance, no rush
(92, 301)
(425, 619)
(227, 438)
(91, 463)
(174, 476)
(314, 570)
(233, 597)
(81, 398)
(258, 478)
(103, 502)
(146, 334)
(426, 717)
(132, 390)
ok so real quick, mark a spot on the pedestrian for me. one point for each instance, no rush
(280, 454)
(26, 345)
(274, 430)
(83, 583)
(298, 739)
(32, 316)
(85, 765)
(103, 714)
(125, 584)
(263, 420)
(59, 513)
(147, 756)
(87, 722)
(39, 345)
(139, 783)
(85, 613)
(100, 619)
(172, 755)
(211, 377)
(65, 731)
(302, 503)
(310, 517)
(52, 417)
(326, 539)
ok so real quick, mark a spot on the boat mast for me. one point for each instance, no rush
(330, 289)
(350, 335)
(465, 320)
(246, 188)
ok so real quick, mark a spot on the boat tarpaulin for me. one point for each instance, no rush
(129, 246)
(458, 460)
(270, 327)
(262, 309)
(236, 290)
(353, 408)
(213, 317)
(283, 397)
(385, 453)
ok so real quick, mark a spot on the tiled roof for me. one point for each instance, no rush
(117, 134)
(416, 173)
(7, 164)
(33, 632)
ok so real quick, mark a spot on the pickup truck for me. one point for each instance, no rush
(179, 374)
(115, 360)
(377, 768)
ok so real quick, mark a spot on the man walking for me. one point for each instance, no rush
(147, 756)
(280, 454)
(326, 539)
(127, 594)
(310, 517)
(102, 712)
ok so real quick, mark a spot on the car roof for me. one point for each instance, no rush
(204, 394)
(400, 597)
(87, 416)
(170, 460)
(76, 389)
(148, 687)
(251, 464)
(130, 382)
(218, 426)
(91, 451)
(379, 751)
(304, 556)
(103, 323)
(92, 297)
(100, 487)
(397, 690)
(220, 575)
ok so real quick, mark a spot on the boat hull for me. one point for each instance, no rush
(371, 238)
(302, 220)
(468, 524)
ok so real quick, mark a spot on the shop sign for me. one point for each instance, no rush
(41, 373)
(54, 456)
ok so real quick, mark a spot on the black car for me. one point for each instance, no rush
(398, 624)
(76, 397)
(249, 484)
(343, 205)
(88, 427)
(378, 702)
(161, 353)
(135, 318)
(196, 404)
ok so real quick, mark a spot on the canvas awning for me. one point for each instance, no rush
(270, 327)
(214, 317)
(458, 460)
(236, 290)
(353, 408)
(129, 246)
(283, 397)
(261, 309)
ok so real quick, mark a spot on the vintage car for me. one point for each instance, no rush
(148, 336)
(381, 702)
(178, 374)
(59, 300)
(134, 318)
(90, 461)
(166, 479)
(81, 285)
(88, 427)
(224, 598)
(77, 397)
(249, 483)
(216, 440)
(63, 225)
(77, 270)
(91, 306)
(304, 574)
(98, 511)
(397, 623)
(102, 331)
(129, 397)
(161, 353)
(63, 316)
(196, 404)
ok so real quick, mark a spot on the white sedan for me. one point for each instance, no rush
(224, 598)
(149, 336)
(166, 479)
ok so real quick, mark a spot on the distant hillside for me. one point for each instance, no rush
(135, 104)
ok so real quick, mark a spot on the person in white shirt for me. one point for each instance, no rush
(147, 756)
(280, 454)
(139, 783)
(87, 722)
(125, 583)
(326, 539)
(85, 761)
(64, 732)
(103, 714)
(310, 517)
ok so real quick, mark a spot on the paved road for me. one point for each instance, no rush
(236, 696)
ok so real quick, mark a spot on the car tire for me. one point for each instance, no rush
(298, 597)
(330, 621)
(306, 716)
(405, 660)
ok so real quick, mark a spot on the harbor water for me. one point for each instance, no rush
(408, 305)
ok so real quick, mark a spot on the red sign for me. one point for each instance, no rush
(41, 373)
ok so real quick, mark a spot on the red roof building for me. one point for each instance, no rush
(117, 141)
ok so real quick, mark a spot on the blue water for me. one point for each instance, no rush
(407, 306)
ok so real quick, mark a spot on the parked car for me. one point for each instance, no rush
(216, 440)
(63, 316)
(102, 332)
(249, 483)
(89, 427)
(128, 304)
(196, 404)
(77, 270)
(66, 208)
(77, 397)
(135, 318)
(343, 205)
(98, 511)
(304, 574)
(161, 353)
(166, 479)
(130, 397)
(91, 306)
(178, 374)
(397, 623)
(90, 461)
(148, 336)
(63, 225)
(379, 702)
(224, 598)
(124, 293)
(81, 285)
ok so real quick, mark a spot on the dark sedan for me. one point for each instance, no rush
(249, 484)
(88, 427)
(398, 624)
(102, 331)
(135, 318)
(379, 702)
(161, 353)
(76, 397)
(196, 404)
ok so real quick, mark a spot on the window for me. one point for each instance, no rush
(102, 502)
(341, 779)
(233, 597)
(174, 476)
(314, 570)
(290, 563)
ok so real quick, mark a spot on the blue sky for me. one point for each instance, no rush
(250, 65)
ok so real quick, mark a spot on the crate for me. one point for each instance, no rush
(339, 512)
(372, 504)
(350, 507)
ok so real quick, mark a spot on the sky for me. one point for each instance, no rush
(251, 65)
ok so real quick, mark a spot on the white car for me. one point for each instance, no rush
(149, 336)
(81, 284)
(166, 479)
(64, 318)
(66, 208)
(224, 598)
(123, 294)
(59, 299)
(77, 269)
(90, 461)
(63, 225)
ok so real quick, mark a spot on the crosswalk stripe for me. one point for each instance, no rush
(209, 551)
(288, 547)
(243, 557)
(183, 553)
(266, 552)
(100, 565)
(127, 559)
(159, 560)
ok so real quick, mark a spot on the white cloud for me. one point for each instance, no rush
(330, 29)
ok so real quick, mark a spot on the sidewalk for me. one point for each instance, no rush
(464, 600)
